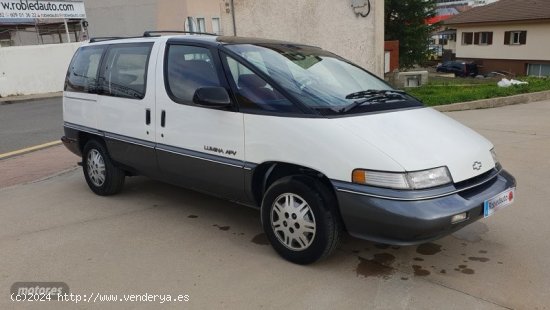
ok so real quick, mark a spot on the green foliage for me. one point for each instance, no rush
(443, 92)
(405, 21)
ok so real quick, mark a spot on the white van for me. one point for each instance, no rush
(319, 144)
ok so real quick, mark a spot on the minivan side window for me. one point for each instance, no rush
(82, 74)
(187, 69)
(254, 93)
(124, 72)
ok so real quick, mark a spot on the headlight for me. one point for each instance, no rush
(407, 180)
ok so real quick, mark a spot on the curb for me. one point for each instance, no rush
(494, 102)
(27, 98)
(29, 150)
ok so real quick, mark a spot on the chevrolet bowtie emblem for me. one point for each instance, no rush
(477, 165)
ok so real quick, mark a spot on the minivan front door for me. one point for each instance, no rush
(197, 147)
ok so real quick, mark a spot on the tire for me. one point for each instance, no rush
(102, 176)
(301, 237)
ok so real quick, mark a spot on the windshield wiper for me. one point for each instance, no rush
(372, 97)
(370, 92)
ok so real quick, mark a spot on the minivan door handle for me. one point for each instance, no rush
(147, 116)
(163, 118)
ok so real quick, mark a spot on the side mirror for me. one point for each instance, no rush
(213, 97)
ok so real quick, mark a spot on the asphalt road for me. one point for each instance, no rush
(25, 124)
(158, 239)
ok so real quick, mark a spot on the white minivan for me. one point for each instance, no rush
(319, 144)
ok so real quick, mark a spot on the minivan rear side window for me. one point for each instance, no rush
(82, 74)
(124, 72)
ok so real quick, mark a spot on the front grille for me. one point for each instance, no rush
(482, 178)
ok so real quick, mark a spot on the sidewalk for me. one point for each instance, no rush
(36, 165)
(14, 99)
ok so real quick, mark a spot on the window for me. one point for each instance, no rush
(216, 25)
(82, 74)
(538, 69)
(189, 24)
(467, 38)
(253, 92)
(201, 24)
(515, 37)
(315, 78)
(189, 68)
(483, 38)
(125, 71)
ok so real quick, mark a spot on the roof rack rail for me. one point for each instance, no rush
(155, 33)
(99, 39)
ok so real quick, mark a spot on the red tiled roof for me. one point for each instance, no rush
(437, 19)
(504, 11)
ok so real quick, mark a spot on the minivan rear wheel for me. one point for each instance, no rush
(102, 176)
(300, 219)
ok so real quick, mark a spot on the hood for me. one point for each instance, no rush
(421, 139)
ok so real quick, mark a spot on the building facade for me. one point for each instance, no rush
(131, 18)
(510, 35)
(352, 29)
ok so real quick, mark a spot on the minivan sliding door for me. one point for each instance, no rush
(127, 105)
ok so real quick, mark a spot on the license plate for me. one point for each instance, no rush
(498, 202)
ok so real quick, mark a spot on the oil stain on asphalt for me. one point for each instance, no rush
(464, 269)
(379, 266)
(260, 239)
(224, 228)
(419, 271)
(428, 249)
(479, 259)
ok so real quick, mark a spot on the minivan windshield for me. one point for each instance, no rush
(323, 81)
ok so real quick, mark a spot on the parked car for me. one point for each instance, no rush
(317, 143)
(459, 68)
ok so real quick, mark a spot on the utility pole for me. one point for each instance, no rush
(67, 30)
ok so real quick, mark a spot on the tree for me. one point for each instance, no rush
(406, 21)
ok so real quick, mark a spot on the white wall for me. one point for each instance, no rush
(537, 47)
(332, 25)
(26, 70)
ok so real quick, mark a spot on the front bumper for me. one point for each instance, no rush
(414, 217)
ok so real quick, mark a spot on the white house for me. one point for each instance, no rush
(509, 35)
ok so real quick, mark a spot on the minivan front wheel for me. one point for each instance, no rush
(300, 220)
(102, 176)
